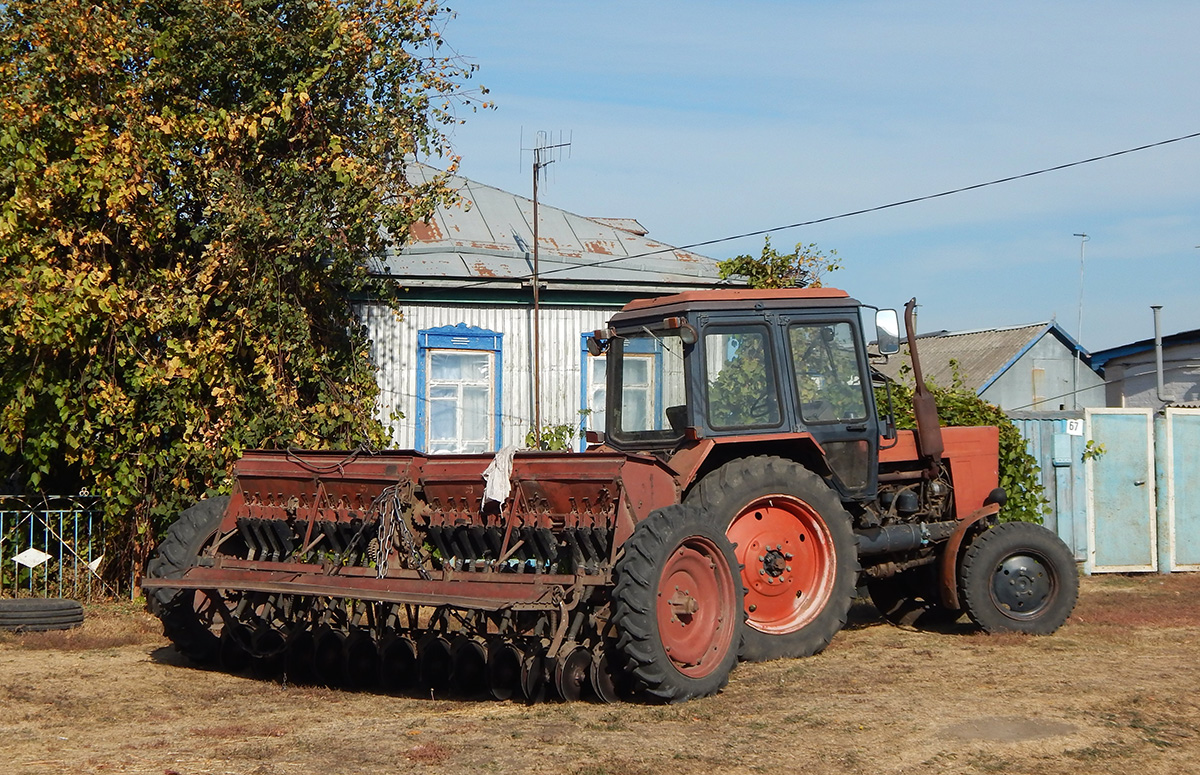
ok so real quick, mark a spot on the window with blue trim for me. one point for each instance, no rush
(459, 390)
(643, 383)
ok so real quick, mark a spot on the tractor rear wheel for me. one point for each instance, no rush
(677, 604)
(1018, 577)
(187, 616)
(797, 550)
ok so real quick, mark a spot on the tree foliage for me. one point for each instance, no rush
(802, 268)
(190, 194)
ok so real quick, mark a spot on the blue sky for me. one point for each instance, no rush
(709, 119)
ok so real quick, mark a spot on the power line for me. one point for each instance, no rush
(913, 200)
(853, 213)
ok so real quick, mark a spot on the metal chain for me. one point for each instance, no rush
(390, 506)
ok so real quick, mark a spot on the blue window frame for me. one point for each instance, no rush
(459, 389)
(593, 387)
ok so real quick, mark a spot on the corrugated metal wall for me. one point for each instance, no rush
(394, 348)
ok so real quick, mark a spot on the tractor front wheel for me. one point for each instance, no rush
(1018, 577)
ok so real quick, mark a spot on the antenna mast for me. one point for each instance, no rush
(546, 151)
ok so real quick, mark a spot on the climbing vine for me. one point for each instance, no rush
(191, 194)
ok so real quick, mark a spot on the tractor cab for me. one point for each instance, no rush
(748, 366)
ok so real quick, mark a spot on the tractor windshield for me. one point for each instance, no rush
(649, 400)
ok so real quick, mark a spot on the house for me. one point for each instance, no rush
(1037, 367)
(457, 365)
(1130, 372)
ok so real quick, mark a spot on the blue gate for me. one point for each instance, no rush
(1121, 503)
(1056, 441)
(1179, 485)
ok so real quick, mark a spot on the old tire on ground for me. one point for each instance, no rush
(186, 622)
(677, 604)
(797, 549)
(911, 599)
(1018, 577)
(36, 614)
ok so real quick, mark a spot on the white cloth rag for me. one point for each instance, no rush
(498, 475)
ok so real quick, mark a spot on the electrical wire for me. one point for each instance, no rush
(849, 214)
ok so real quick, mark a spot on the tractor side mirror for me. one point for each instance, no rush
(685, 330)
(598, 342)
(887, 331)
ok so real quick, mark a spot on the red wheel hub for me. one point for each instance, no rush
(695, 607)
(788, 562)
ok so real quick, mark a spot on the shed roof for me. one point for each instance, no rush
(486, 241)
(981, 355)
(1101, 358)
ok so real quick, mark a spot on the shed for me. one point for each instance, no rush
(1130, 371)
(456, 365)
(1037, 366)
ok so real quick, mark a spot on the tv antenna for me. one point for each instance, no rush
(546, 149)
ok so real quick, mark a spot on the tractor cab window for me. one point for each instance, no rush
(828, 380)
(740, 378)
(649, 383)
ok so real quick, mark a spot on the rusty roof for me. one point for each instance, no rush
(486, 241)
(739, 295)
(981, 356)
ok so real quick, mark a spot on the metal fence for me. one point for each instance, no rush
(52, 546)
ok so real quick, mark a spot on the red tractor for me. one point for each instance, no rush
(744, 486)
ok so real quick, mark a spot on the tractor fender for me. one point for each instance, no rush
(948, 576)
(691, 462)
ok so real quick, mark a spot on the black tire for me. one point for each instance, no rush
(186, 627)
(1018, 577)
(678, 646)
(775, 511)
(911, 599)
(35, 614)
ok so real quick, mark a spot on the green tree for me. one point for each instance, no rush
(190, 194)
(802, 268)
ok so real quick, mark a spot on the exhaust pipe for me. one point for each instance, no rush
(1158, 355)
(929, 426)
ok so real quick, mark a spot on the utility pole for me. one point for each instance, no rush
(1083, 238)
(545, 153)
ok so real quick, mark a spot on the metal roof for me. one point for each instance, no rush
(485, 241)
(1101, 358)
(981, 355)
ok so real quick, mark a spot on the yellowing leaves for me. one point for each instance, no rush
(184, 190)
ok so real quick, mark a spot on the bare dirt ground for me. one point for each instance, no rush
(1117, 690)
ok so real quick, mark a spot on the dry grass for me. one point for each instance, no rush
(1116, 690)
